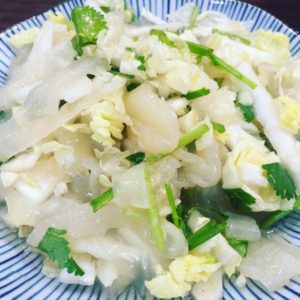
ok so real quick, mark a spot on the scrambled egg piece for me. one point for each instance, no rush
(24, 38)
(183, 271)
(289, 114)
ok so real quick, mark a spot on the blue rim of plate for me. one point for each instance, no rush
(20, 267)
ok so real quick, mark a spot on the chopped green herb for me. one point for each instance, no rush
(105, 9)
(240, 199)
(90, 76)
(193, 17)
(102, 200)
(2, 115)
(219, 81)
(72, 267)
(130, 49)
(153, 215)
(205, 233)
(213, 214)
(217, 61)
(230, 69)
(132, 85)
(276, 216)
(57, 249)
(196, 94)
(268, 144)
(240, 246)
(218, 127)
(232, 36)
(192, 135)
(88, 23)
(280, 180)
(116, 71)
(200, 50)
(247, 110)
(172, 204)
(62, 102)
(136, 158)
(162, 36)
(142, 60)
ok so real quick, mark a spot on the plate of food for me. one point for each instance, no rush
(150, 149)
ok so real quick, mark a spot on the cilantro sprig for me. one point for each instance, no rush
(57, 249)
(280, 180)
(88, 23)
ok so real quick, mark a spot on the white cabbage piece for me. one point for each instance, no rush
(217, 246)
(182, 15)
(130, 188)
(204, 167)
(209, 20)
(24, 38)
(272, 262)
(153, 120)
(242, 228)
(107, 272)
(212, 289)
(285, 143)
(14, 132)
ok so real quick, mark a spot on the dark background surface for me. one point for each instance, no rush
(14, 11)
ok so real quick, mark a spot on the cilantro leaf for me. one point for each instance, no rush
(280, 180)
(105, 9)
(205, 233)
(240, 199)
(247, 110)
(162, 36)
(136, 158)
(218, 127)
(72, 267)
(240, 246)
(101, 200)
(88, 23)
(57, 249)
(197, 93)
(267, 142)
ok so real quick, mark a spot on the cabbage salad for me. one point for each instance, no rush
(162, 151)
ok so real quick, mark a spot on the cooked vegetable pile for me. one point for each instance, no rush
(152, 149)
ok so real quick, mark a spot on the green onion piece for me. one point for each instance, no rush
(136, 158)
(247, 110)
(276, 216)
(62, 102)
(132, 85)
(102, 200)
(105, 9)
(200, 49)
(232, 36)
(116, 71)
(172, 204)
(240, 246)
(186, 139)
(90, 76)
(193, 17)
(153, 215)
(162, 36)
(193, 135)
(196, 94)
(217, 61)
(218, 127)
(205, 233)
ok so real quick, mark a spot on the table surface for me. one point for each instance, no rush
(14, 11)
